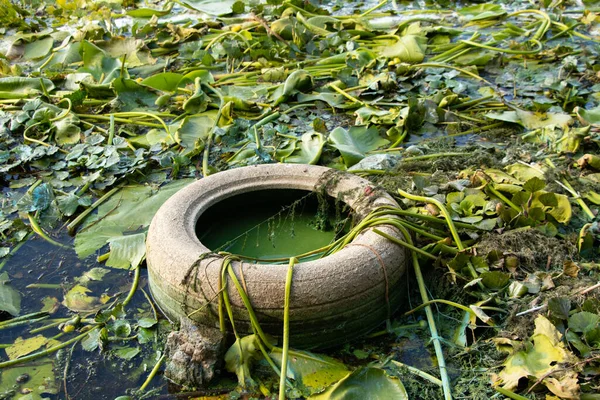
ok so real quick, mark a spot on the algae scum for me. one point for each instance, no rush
(482, 119)
(269, 224)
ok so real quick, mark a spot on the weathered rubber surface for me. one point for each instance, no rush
(333, 299)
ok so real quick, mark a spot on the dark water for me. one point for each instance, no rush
(90, 375)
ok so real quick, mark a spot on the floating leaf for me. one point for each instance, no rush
(22, 347)
(133, 96)
(194, 130)
(38, 48)
(20, 88)
(127, 251)
(217, 8)
(149, 12)
(197, 102)
(146, 322)
(480, 12)
(98, 63)
(67, 130)
(354, 143)
(409, 49)
(121, 328)
(10, 299)
(165, 81)
(240, 356)
(297, 81)
(309, 151)
(312, 371)
(531, 120)
(128, 210)
(588, 117)
(365, 383)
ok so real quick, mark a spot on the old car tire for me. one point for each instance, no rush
(333, 299)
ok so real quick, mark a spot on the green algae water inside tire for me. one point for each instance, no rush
(333, 299)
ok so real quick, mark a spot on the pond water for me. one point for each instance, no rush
(118, 358)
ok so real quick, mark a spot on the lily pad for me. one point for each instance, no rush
(211, 7)
(20, 88)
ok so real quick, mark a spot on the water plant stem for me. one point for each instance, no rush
(442, 301)
(418, 372)
(75, 223)
(38, 229)
(152, 373)
(509, 394)
(46, 352)
(443, 211)
(134, 285)
(25, 317)
(286, 327)
(404, 244)
(435, 338)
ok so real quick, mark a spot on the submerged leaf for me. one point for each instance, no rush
(40, 384)
(126, 353)
(77, 299)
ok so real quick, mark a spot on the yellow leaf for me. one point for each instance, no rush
(23, 347)
(563, 383)
(539, 360)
